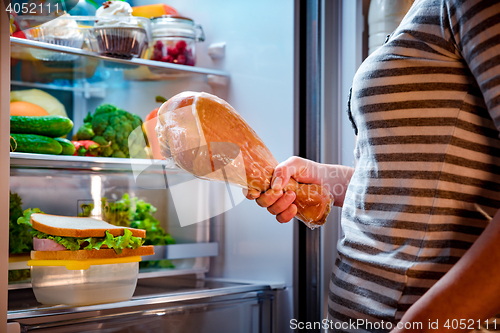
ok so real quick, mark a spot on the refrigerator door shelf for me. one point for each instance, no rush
(184, 251)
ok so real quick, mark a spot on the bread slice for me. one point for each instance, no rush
(91, 254)
(69, 226)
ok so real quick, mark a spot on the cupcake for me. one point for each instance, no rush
(62, 31)
(117, 33)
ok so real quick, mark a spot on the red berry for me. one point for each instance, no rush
(168, 58)
(157, 54)
(172, 51)
(181, 46)
(190, 62)
(158, 45)
(181, 59)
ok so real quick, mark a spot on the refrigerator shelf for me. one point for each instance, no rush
(89, 163)
(150, 293)
(21, 50)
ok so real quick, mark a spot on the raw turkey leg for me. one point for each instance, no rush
(205, 136)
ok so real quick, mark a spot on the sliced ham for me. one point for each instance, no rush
(46, 245)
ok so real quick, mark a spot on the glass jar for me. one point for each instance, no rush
(174, 39)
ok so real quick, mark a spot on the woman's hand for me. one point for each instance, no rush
(277, 201)
(335, 178)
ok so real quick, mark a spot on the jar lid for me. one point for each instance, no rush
(173, 26)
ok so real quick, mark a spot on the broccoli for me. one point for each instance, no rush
(111, 128)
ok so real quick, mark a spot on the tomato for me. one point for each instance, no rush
(150, 129)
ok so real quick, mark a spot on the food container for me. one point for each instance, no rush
(68, 36)
(174, 39)
(84, 282)
(65, 30)
(120, 37)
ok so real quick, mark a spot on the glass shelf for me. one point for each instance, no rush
(88, 163)
(21, 49)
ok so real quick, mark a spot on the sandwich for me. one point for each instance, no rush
(78, 238)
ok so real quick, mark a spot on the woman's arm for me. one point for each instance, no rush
(470, 291)
(335, 178)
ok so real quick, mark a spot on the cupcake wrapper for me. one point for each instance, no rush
(75, 42)
(120, 42)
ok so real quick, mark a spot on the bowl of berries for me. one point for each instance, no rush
(174, 40)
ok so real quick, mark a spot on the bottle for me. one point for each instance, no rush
(384, 17)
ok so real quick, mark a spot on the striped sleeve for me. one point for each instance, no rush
(475, 25)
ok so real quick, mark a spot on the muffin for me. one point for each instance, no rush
(62, 31)
(117, 33)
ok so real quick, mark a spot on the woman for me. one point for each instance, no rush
(426, 109)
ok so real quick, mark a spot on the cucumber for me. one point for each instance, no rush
(32, 143)
(51, 126)
(67, 147)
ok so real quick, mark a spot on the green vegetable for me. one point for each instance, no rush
(24, 219)
(106, 149)
(117, 213)
(19, 275)
(115, 125)
(85, 132)
(142, 218)
(88, 118)
(111, 128)
(100, 140)
(117, 243)
(136, 213)
(67, 147)
(165, 263)
(51, 126)
(86, 209)
(38, 144)
(20, 239)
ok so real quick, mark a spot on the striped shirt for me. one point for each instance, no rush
(427, 109)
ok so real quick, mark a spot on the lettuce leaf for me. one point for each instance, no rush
(20, 240)
(142, 218)
(136, 213)
(118, 243)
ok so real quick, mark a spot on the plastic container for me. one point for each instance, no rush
(84, 282)
(121, 37)
(174, 39)
(384, 16)
(69, 36)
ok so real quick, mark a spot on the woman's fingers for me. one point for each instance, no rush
(251, 194)
(292, 167)
(282, 203)
(287, 214)
(268, 198)
(282, 174)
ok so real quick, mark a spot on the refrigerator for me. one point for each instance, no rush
(286, 67)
